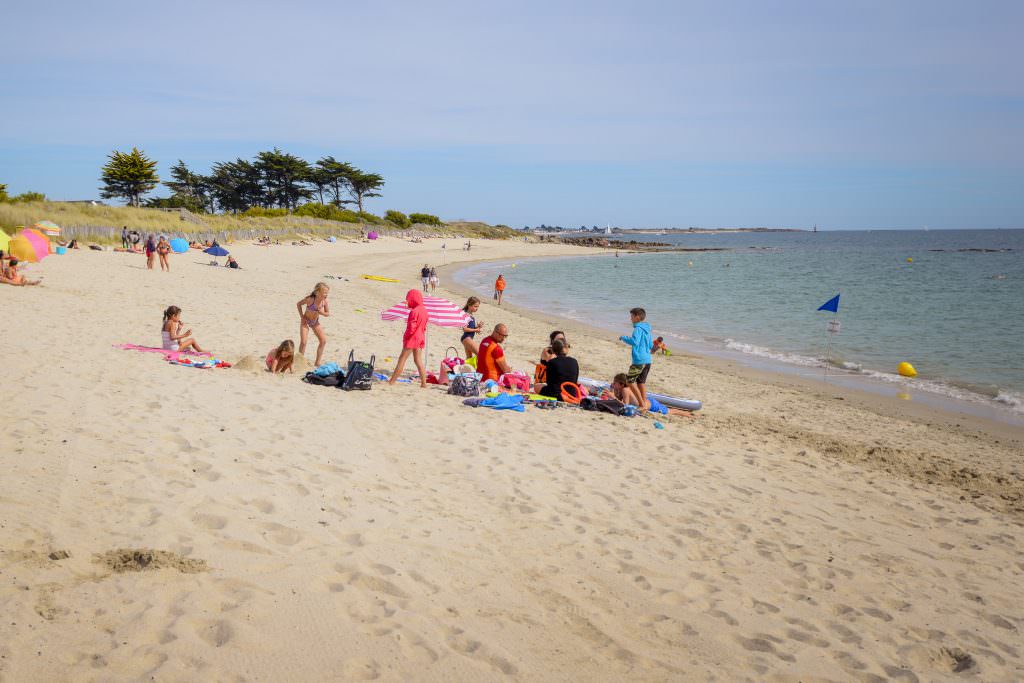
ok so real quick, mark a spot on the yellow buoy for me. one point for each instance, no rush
(910, 260)
(906, 369)
(513, 265)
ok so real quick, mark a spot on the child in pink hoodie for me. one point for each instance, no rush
(415, 337)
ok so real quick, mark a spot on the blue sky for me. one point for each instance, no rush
(644, 114)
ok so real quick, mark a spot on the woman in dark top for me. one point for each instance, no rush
(560, 369)
(472, 327)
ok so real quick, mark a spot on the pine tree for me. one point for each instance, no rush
(128, 176)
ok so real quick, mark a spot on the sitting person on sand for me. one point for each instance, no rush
(11, 276)
(490, 360)
(659, 346)
(559, 369)
(546, 354)
(282, 357)
(173, 338)
(231, 263)
(630, 395)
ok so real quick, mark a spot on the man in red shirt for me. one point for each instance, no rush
(490, 359)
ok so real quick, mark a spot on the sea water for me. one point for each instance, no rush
(950, 302)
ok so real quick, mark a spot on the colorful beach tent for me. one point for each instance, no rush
(30, 245)
(372, 235)
(179, 245)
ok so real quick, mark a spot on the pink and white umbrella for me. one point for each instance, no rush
(440, 312)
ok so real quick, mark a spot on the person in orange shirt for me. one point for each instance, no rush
(499, 288)
(490, 359)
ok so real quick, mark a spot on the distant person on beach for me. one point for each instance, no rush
(499, 288)
(629, 395)
(659, 347)
(282, 357)
(471, 328)
(163, 248)
(173, 338)
(134, 237)
(150, 250)
(124, 238)
(425, 277)
(309, 319)
(640, 340)
(547, 353)
(433, 279)
(415, 338)
(490, 360)
(231, 263)
(11, 276)
(560, 368)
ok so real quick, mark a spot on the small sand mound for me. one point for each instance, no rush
(250, 364)
(145, 559)
(301, 365)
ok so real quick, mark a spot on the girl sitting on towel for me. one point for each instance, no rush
(172, 336)
(281, 358)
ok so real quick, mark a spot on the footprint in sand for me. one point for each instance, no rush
(207, 521)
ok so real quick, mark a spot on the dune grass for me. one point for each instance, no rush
(103, 223)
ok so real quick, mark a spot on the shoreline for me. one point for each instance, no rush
(868, 389)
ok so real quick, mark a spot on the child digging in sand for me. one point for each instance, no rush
(172, 337)
(282, 357)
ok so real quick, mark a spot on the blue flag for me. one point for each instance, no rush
(830, 305)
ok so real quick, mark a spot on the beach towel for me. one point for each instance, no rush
(168, 355)
(207, 364)
(504, 402)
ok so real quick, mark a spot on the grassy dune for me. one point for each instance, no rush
(103, 223)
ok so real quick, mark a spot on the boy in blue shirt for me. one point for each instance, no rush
(641, 343)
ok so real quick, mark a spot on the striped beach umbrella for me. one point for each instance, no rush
(49, 228)
(440, 312)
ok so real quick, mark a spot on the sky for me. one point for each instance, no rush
(844, 115)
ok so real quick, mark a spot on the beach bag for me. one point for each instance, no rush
(360, 373)
(464, 385)
(452, 362)
(335, 379)
(515, 380)
(604, 405)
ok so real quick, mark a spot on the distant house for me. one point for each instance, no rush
(90, 202)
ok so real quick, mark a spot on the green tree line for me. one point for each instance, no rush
(271, 180)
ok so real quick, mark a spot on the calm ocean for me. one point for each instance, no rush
(956, 312)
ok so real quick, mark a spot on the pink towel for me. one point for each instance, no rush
(168, 355)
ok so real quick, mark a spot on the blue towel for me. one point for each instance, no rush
(504, 402)
(327, 369)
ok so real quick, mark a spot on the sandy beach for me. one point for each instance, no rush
(173, 524)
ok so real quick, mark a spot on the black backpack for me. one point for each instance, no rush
(359, 374)
(603, 405)
(335, 379)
